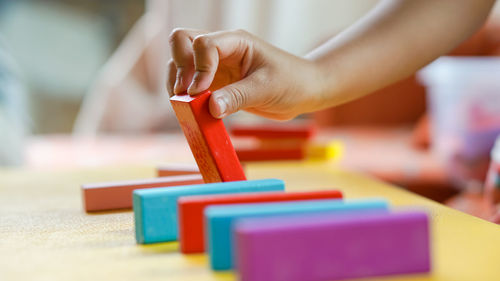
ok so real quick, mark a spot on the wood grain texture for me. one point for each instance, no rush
(207, 138)
(46, 235)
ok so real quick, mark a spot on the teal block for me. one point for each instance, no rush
(155, 209)
(219, 220)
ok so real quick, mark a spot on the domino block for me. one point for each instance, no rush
(176, 169)
(306, 150)
(207, 138)
(191, 233)
(270, 154)
(155, 210)
(332, 246)
(219, 220)
(275, 131)
(332, 150)
(118, 195)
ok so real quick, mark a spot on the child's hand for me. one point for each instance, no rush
(388, 44)
(243, 72)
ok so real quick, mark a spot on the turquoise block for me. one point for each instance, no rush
(219, 220)
(155, 209)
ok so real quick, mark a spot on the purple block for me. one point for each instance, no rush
(332, 246)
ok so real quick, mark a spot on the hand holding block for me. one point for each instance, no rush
(118, 195)
(177, 169)
(155, 210)
(219, 220)
(191, 233)
(208, 139)
(332, 246)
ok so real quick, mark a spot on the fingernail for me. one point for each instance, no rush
(221, 103)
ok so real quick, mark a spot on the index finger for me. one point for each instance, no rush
(180, 41)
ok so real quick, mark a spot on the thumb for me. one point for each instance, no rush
(234, 97)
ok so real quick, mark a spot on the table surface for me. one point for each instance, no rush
(45, 234)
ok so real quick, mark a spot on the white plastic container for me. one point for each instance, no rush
(492, 186)
(463, 96)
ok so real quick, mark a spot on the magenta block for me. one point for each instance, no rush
(332, 246)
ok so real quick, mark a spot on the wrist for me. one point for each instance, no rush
(324, 85)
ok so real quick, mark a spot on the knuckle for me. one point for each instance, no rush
(241, 32)
(202, 42)
(203, 68)
(239, 97)
(175, 35)
(180, 72)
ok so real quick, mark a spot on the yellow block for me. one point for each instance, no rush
(332, 150)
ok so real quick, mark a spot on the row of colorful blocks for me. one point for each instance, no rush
(322, 238)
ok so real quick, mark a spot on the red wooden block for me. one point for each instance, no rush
(270, 154)
(190, 210)
(208, 139)
(176, 169)
(118, 195)
(272, 131)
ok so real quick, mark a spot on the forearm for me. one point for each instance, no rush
(393, 41)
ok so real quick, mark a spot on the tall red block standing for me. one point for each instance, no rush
(207, 138)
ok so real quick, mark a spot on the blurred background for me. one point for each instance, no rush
(82, 83)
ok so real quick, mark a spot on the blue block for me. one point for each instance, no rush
(155, 209)
(220, 220)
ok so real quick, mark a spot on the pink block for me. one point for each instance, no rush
(118, 195)
(332, 246)
(176, 169)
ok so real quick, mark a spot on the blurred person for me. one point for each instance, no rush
(129, 94)
(126, 96)
(390, 43)
(13, 115)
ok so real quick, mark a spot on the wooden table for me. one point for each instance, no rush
(45, 235)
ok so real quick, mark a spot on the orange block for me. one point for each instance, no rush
(176, 169)
(208, 139)
(118, 195)
(190, 210)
